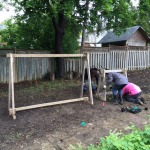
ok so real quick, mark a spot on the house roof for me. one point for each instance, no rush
(111, 37)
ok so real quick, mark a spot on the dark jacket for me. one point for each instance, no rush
(94, 74)
(117, 78)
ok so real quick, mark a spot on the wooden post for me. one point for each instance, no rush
(99, 82)
(104, 83)
(52, 72)
(83, 74)
(108, 58)
(148, 60)
(125, 72)
(11, 100)
(9, 88)
(50, 104)
(127, 57)
(12, 86)
(89, 78)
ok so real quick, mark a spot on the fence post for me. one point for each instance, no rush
(108, 58)
(148, 60)
(127, 57)
(52, 67)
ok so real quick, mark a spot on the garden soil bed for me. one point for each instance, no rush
(56, 127)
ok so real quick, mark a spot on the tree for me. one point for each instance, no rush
(28, 35)
(111, 14)
(33, 34)
(143, 15)
(1, 6)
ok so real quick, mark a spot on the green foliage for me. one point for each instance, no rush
(118, 15)
(79, 147)
(28, 35)
(35, 30)
(70, 43)
(9, 34)
(1, 6)
(33, 34)
(70, 40)
(137, 139)
(143, 15)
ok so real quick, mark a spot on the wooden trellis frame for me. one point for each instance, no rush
(11, 101)
(101, 91)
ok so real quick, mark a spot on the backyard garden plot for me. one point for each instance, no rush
(39, 91)
(36, 127)
(42, 87)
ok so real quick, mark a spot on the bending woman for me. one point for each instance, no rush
(132, 93)
(119, 81)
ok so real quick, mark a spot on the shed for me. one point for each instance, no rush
(133, 36)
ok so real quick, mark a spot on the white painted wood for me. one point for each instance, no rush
(46, 55)
(119, 70)
(108, 59)
(50, 104)
(89, 79)
(145, 59)
(83, 73)
(12, 110)
(129, 61)
(12, 86)
(9, 90)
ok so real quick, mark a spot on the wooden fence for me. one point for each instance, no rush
(111, 58)
(131, 58)
(25, 68)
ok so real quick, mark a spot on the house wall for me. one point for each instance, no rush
(123, 43)
(137, 39)
(93, 38)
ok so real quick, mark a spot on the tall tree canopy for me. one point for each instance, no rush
(107, 14)
(143, 15)
(1, 6)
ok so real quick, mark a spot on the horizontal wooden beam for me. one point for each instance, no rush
(108, 71)
(49, 104)
(46, 55)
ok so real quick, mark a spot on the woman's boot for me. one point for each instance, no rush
(120, 99)
(116, 102)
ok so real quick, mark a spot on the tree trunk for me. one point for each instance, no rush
(59, 32)
(82, 40)
(59, 50)
(84, 26)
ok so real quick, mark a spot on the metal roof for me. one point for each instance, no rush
(112, 37)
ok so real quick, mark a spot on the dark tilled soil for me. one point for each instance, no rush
(39, 123)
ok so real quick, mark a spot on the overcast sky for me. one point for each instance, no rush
(6, 13)
(9, 12)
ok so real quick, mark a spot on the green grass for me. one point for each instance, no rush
(49, 85)
(41, 86)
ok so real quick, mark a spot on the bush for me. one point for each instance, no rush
(137, 139)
